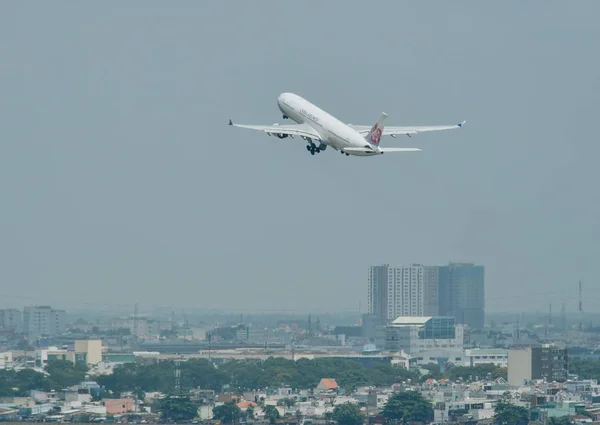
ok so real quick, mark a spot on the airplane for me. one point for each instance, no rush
(314, 124)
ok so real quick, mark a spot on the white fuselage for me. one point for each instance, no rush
(331, 131)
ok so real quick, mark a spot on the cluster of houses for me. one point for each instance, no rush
(453, 402)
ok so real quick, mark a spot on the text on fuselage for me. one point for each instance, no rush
(308, 115)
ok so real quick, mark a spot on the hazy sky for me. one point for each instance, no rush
(121, 181)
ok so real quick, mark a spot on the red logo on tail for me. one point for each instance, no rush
(375, 134)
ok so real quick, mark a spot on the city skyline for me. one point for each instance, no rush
(454, 290)
(122, 181)
(540, 300)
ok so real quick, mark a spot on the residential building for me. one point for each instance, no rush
(479, 356)
(11, 320)
(6, 360)
(43, 321)
(327, 385)
(527, 363)
(461, 293)
(370, 324)
(119, 406)
(431, 302)
(377, 295)
(417, 334)
(441, 357)
(144, 327)
(43, 355)
(88, 351)
(395, 291)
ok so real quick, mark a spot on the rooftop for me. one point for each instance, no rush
(411, 320)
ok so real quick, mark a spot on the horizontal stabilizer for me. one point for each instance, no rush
(400, 149)
(380, 151)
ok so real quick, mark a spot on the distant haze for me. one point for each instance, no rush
(122, 182)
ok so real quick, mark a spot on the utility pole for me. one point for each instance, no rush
(185, 325)
(549, 326)
(209, 337)
(177, 378)
(135, 324)
(293, 348)
(580, 309)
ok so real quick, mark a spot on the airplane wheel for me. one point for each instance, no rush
(312, 152)
(308, 148)
(347, 154)
(318, 150)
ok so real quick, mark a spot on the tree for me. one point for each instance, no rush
(481, 371)
(271, 413)
(84, 418)
(561, 420)
(178, 408)
(408, 406)
(64, 373)
(584, 368)
(433, 371)
(287, 402)
(250, 413)
(509, 414)
(249, 375)
(348, 414)
(227, 413)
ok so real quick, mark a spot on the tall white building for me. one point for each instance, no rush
(10, 319)
(396, 291)
(44, 321)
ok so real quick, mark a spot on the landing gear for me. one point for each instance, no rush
(285, 117)
(312, 148)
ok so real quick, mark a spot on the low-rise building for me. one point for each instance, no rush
(418, 334)
(546, 362)
(327, 386)
(478, 356)
(6, 360)
(119, 406)
(43, 355)
(88, 351)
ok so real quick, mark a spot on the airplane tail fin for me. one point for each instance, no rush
(375, 133)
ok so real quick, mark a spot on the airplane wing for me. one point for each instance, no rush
(291, 130)
(408, 130)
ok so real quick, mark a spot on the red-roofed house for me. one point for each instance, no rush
(243, 405)
(327, 385)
